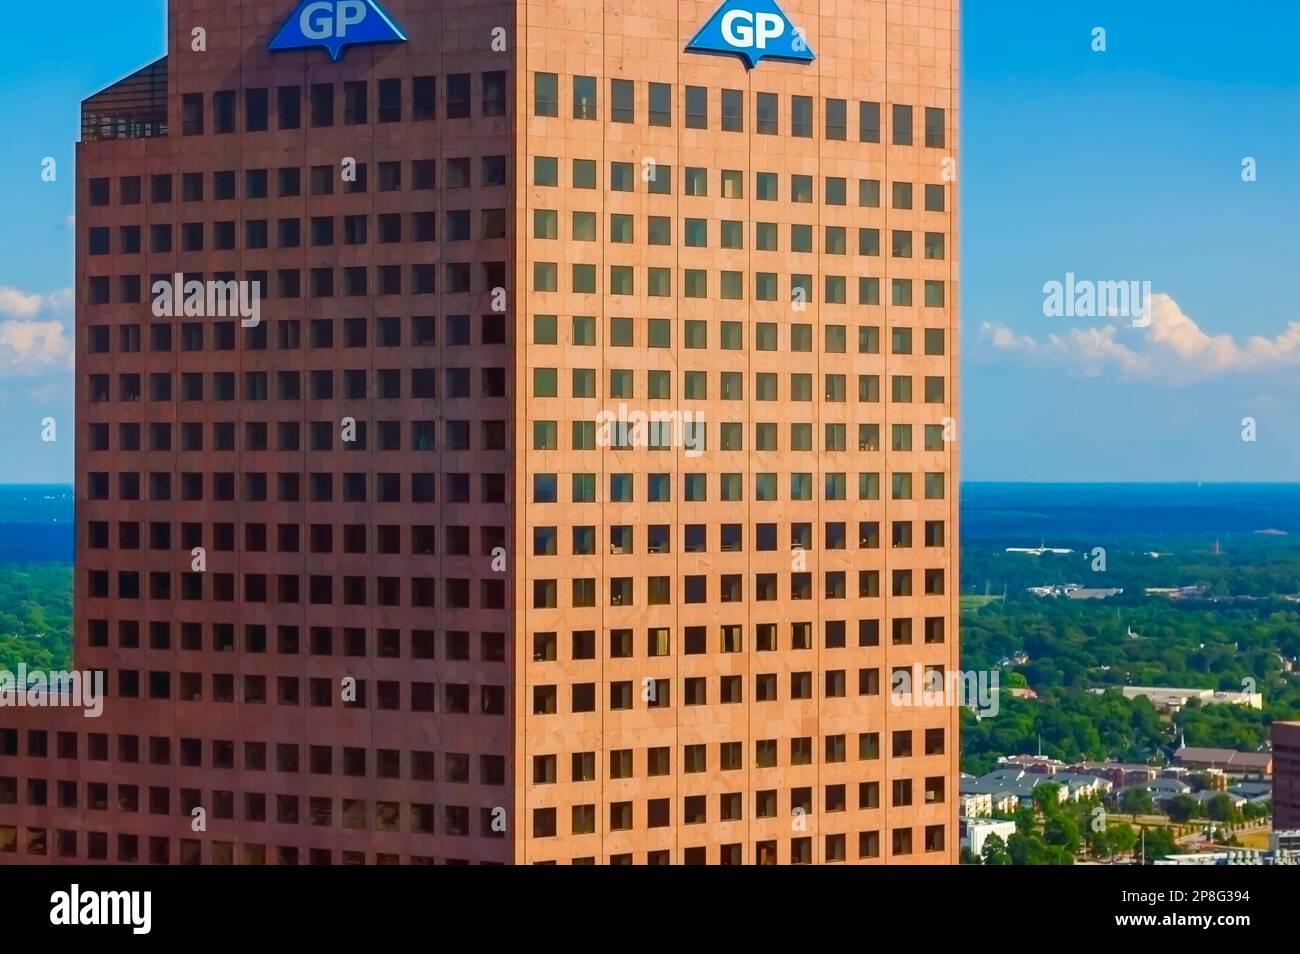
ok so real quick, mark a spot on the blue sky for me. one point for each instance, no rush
(51, 57)
(1127, 165)
(1116, 165)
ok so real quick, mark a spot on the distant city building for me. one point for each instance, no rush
(1082, 785)
(1176, 592)
(975, 805)
(1233, 856)
(1211, 780)
(1228, 761)
(1288, 840)
(1256, 793)
(1119, 774)
(1163, 791)
(1075, 591)
(1033, 763)
(1094, 593)
(1173, 699)
(1206, 796)
(975, 833)
(1008, 787)
(999, 800)
(1286, 775)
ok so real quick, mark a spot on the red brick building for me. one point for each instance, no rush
(1286, 776)
(366, 582)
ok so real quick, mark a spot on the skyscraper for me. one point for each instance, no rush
(586, 476)
(1286, 776)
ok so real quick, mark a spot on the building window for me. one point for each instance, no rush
(622, 95)
(837, 119)
(733, 110)
(902, 136)
(424, 97)
(584, 97)
(223, 111)
(494, 93)
(322, 104)
(390, 101)
(192, 114)
(458, 96)
(869, 122)
(934, 127)
(697, 107)
(661, 104)
(256, 104)
(766, 114)
(356, 104)
(801, 116)
(289, 107)
(546, 94)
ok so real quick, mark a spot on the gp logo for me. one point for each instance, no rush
(336, 25)
(752, 30)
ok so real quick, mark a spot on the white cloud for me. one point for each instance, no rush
(61, 302)
(29, 347)
(15, 303)
(18, 304)
(1004, 339)
(1173, 346)
(33, 334)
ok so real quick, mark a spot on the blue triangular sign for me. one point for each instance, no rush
(752, 30)
(336, 25)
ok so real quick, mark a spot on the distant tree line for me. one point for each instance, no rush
(36, 616)
(1077, 646)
